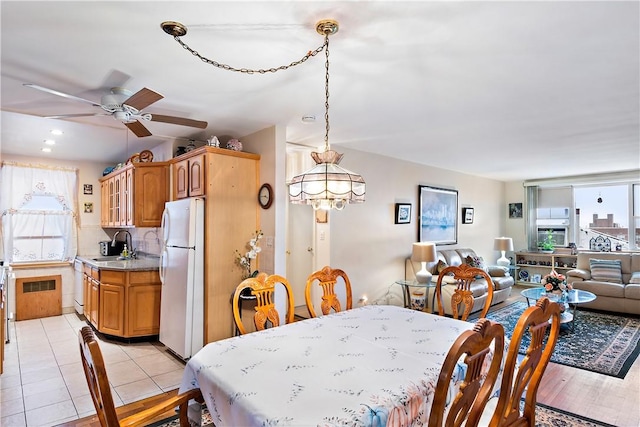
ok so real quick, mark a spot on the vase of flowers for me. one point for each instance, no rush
(556, 284)
(245, 260)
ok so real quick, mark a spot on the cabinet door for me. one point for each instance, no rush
(180, 179)
(94, 299)
(104, 204)
(143, 305)
(151, 192)
(110, 202)
(86, 289)
(127, 197)
(196, 176)
(117, 201)
(111, 309)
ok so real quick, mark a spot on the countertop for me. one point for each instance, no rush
(138, 264)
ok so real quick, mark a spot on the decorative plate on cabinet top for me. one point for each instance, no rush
(524, 275)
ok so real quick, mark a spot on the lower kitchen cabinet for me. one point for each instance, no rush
(123, 303)
(112, 302)
(143, 304)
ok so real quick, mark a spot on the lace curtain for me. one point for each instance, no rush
(39, 210)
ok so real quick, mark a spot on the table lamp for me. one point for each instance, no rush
(423, 253)
(503, 244)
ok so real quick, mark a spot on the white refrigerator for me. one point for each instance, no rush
(182, 276)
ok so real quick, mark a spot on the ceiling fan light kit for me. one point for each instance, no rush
(327, 185)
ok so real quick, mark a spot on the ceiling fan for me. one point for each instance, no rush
(125, 106)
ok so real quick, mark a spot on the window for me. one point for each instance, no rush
(605, 210)
(38, 213)
(604, 216)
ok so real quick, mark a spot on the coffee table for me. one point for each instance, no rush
(574, 298)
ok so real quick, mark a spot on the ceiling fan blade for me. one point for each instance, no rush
(64, 116)
(62, 94)
(138, 128)
(143, 98)
(178, 121)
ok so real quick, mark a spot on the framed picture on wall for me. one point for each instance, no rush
(438, 215)
(467, 215)
(403, 213)
(515, 210)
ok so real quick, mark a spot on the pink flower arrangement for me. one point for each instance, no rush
(555, 281)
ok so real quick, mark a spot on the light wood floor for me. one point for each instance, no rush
(600, 397)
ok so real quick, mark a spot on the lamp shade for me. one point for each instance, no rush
(503, 244)
(424, 252)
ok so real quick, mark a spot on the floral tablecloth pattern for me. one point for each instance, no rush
(371, 366)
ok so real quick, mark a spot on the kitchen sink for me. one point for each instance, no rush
(107, 258)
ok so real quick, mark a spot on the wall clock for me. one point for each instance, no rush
(265, 196)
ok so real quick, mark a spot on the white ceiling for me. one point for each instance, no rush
(505, 90)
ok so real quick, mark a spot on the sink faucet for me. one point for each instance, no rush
(130, 247)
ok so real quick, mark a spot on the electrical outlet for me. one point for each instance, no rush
(363, 300)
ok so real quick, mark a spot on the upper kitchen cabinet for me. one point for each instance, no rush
(134, 196)
(188, 177)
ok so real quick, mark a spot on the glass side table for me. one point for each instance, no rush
(407, 285)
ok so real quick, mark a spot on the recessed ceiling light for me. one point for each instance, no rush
(308, 119)
(46, 149)
(49, 142)
(56, 131)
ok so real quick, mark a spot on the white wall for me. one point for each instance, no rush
(371, 249)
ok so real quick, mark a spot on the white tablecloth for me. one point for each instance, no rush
(370, 366)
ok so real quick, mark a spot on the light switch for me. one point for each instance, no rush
(269, 242)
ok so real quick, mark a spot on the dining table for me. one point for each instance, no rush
(375, 365)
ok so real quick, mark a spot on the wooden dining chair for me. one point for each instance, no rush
(474, 390)
(327, 279)
(464, 276)
(96, 374)
(263, 287)
(522, 379)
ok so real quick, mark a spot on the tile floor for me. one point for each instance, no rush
(43, 383)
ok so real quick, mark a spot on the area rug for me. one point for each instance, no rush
(545, 417)
(601, 342)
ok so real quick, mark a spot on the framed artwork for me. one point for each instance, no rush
(88, 207)
(515, 210)
(536, 278)
(88, 188)
(403, 213)
(467, 215)
(438, 215)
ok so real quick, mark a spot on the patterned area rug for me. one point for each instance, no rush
(602, 342)
(545, 417)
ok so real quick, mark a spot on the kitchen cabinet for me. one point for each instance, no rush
(134, 196)
(229, 181)
(122, 303)
(112, 302)
(189, 177)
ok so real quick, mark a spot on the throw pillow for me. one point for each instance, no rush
(476, 261)
(605, 270)
(635, 278)
(441, 266)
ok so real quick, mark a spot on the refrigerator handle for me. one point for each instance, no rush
(162, 262)
(164, 224)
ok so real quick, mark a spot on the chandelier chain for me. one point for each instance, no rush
(250, 70)
(326, 93)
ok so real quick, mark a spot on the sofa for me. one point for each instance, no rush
(502, 281)
(614, 277)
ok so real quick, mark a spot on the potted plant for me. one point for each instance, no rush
(547, 245)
